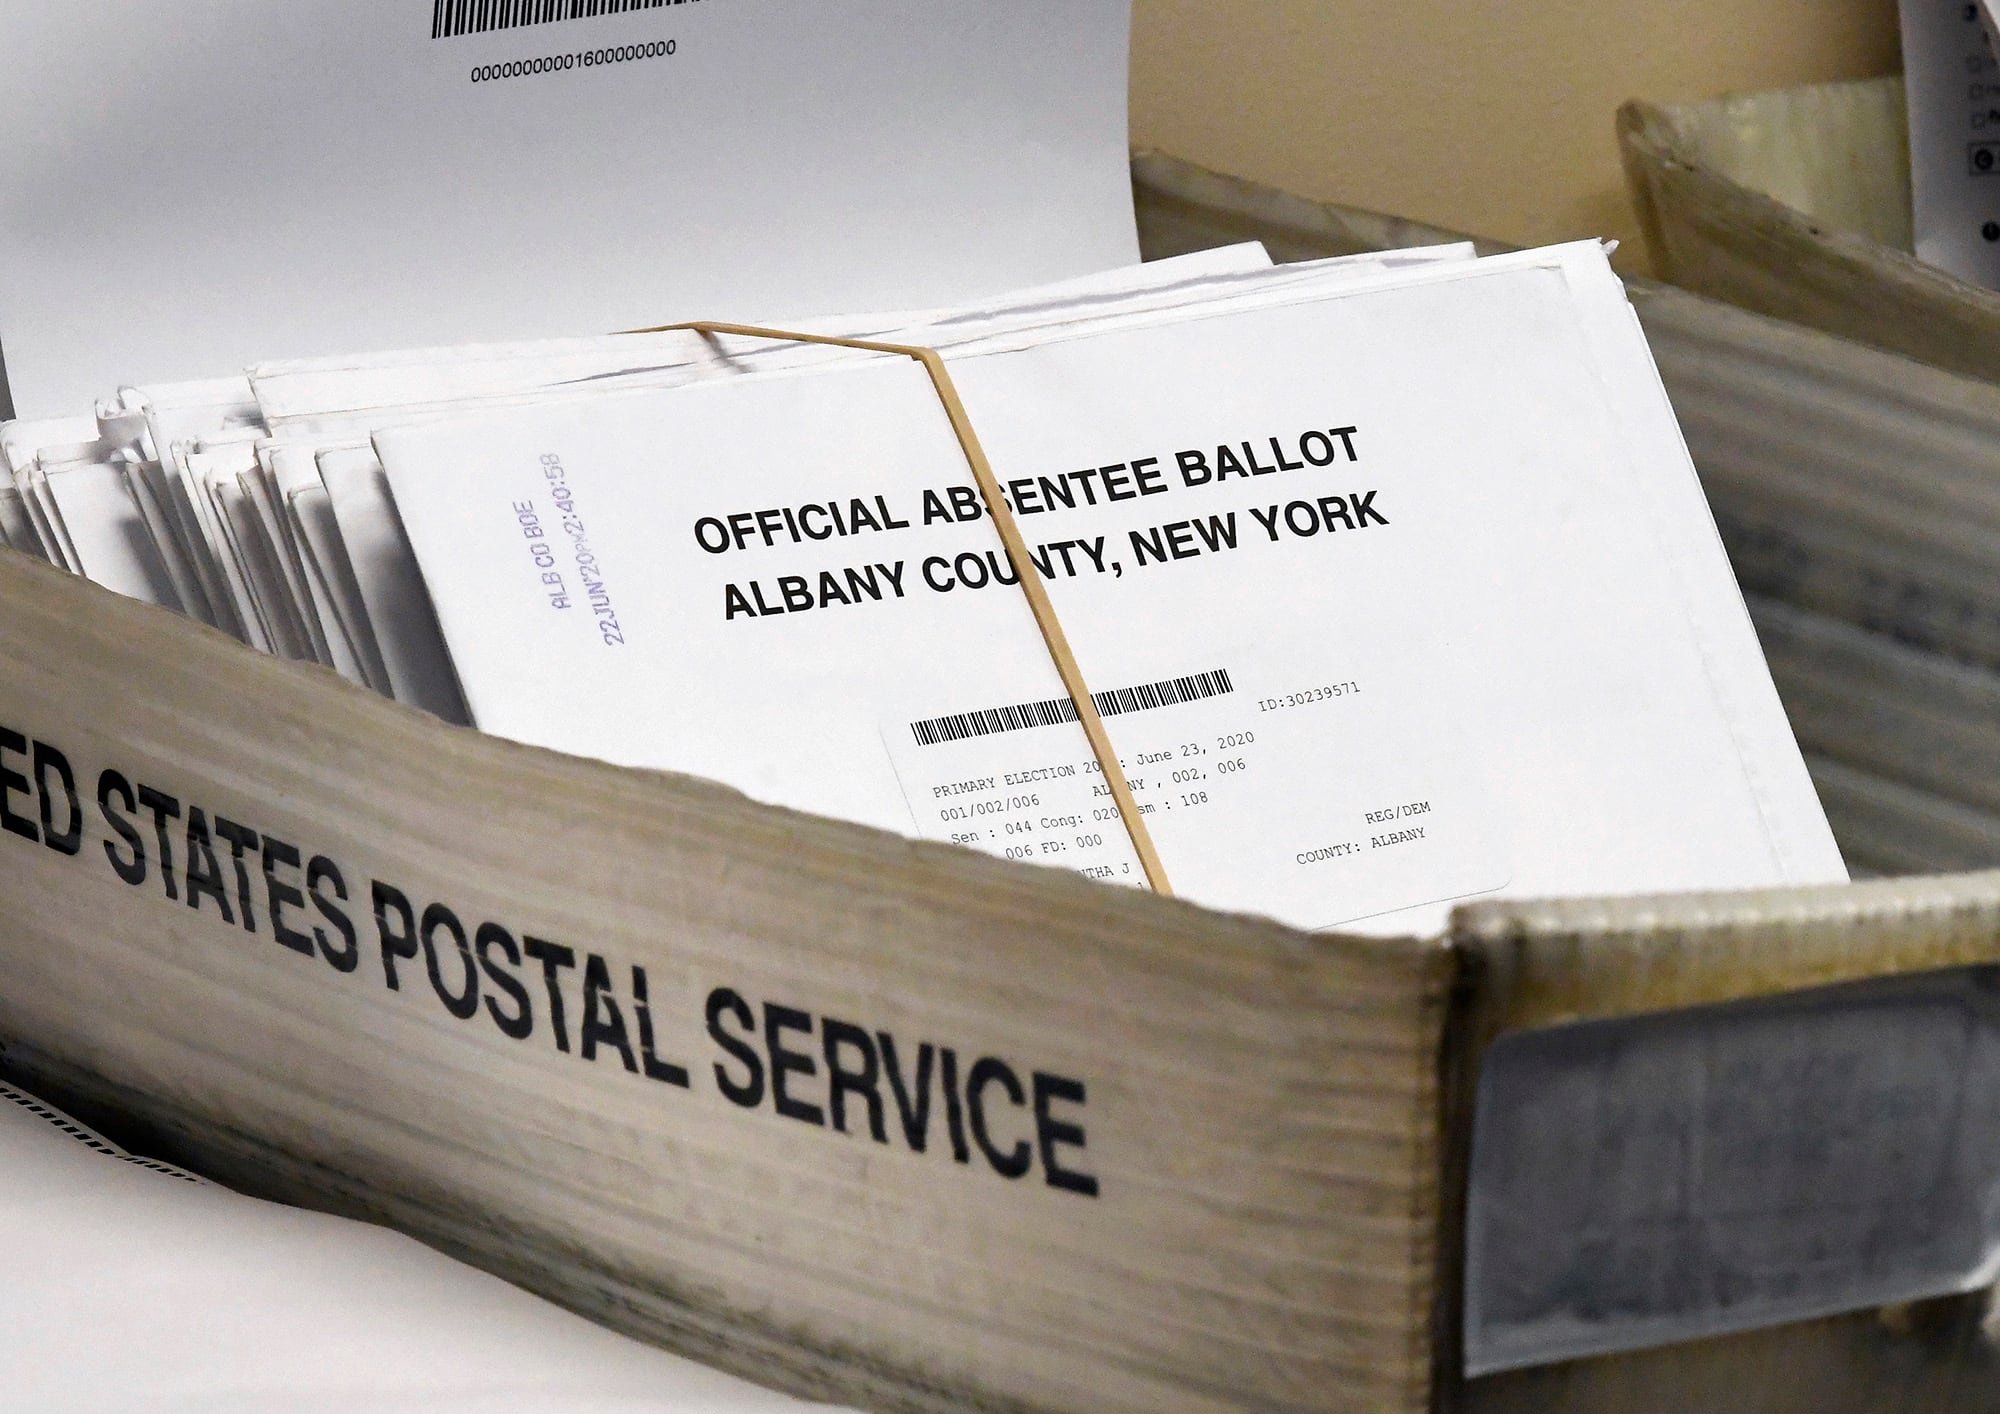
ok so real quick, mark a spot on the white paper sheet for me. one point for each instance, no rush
(188, 188)
(127, 1288)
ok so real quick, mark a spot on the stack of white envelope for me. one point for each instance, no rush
(1390, 575)
(256, 504)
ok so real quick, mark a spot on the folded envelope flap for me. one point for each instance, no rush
(871, 1119)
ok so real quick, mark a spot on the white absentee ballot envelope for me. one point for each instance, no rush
(1394, 592)
(186, 188)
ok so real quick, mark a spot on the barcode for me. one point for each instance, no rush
(454, 17)
(991, 721)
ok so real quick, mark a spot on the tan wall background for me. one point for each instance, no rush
(1494, 118)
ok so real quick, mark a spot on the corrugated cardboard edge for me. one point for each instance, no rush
(1711, 234)
(1264, 1104)
(1183, 207)
(1548, 964)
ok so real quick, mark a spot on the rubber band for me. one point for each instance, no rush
(1017, 553)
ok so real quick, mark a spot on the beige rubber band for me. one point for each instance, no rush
(1017, 553)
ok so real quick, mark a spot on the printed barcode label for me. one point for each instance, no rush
(455, 17)
(992, 721)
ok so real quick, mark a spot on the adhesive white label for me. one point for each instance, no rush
(1215, 757)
